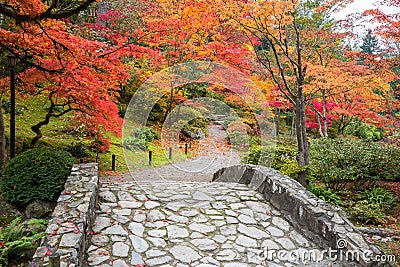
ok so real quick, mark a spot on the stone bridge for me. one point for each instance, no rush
(248, 216)
(208, 211)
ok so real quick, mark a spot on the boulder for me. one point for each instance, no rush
(198, 135)
(39, 208)
(6, 209)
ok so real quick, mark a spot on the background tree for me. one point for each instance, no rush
(387, 64)
(370, 44)
(172, 33)
(279, 32)
(37, 10)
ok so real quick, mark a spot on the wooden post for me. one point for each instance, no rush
(170, 153)
(150, 158)
(190, 143)
(186, 149)
(113, 157)
(54, 260)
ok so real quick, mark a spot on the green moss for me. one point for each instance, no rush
(38, 173)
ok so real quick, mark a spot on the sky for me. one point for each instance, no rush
(356, 6)
(362, 5)
(359, 6)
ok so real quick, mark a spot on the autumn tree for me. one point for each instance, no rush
(387, 63)
(281, 29)
(175, 32)
(38, 10)
(335, 77)
(76, 75)
(356, 91)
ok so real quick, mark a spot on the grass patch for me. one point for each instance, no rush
(63, 131)
(30, 112)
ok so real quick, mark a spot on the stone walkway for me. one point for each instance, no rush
(190, 224)
(173, 216)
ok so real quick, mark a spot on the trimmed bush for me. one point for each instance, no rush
(141, 139)
(364, 130)
(340, 161)
(38, 173)
(282, 158)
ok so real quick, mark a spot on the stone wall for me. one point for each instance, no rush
(324, 224)
(67, 231)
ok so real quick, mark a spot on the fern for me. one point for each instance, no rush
(19, 248)
(13, 231)
(16, 244)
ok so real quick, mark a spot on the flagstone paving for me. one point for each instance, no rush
(190, 224)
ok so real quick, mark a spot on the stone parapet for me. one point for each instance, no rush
(68, 229)
(324, 224)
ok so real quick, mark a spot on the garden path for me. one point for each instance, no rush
(173, 216)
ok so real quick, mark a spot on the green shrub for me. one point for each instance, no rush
(195, 124)
(367, 213)
(253, 156)
(16, 243)
(280, 157)
(238, 139)
(370, 206)
(6, 105)
(141, 138)
(340, 161)
(379, 196)
(326, 194)
(78, 150)
(38, 173)
(364, 130)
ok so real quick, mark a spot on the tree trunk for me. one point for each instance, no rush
(293, 129)
(169, 108)
(277, 120)
(303, 145)
(324, 114)
(3, 151)
(321, 133)
(36, 129)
